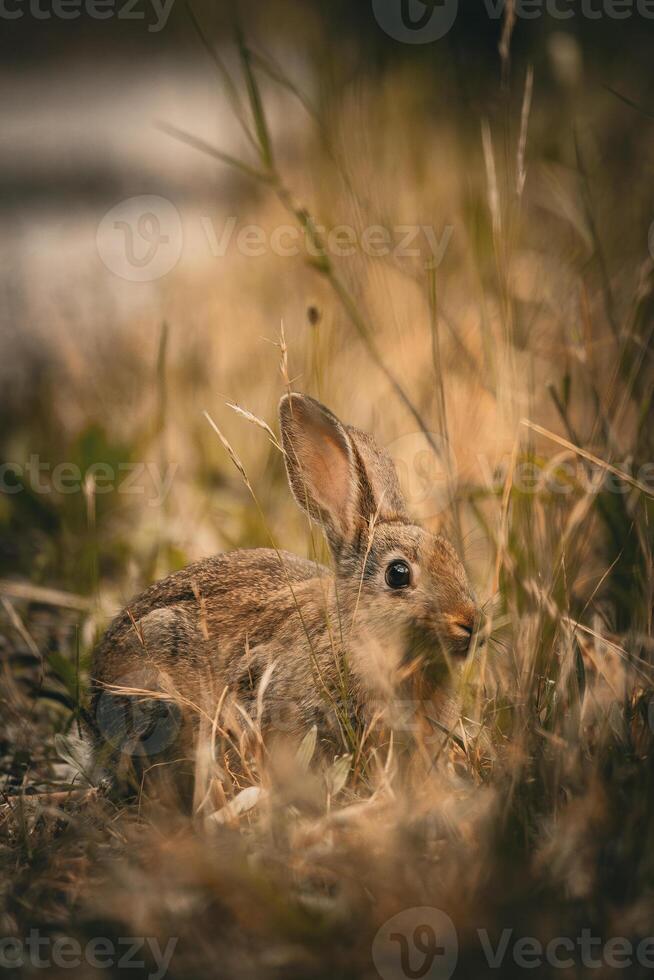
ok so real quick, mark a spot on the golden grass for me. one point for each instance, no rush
(531, 808)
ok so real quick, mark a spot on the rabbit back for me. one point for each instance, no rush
(216, 624)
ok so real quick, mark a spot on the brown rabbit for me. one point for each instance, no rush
(332, 646)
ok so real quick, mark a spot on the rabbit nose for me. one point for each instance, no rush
(464, 625)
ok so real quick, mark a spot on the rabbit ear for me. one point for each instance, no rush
(337, 473)
(321, 466)
(379, 488)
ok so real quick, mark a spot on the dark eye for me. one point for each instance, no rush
(398, 575)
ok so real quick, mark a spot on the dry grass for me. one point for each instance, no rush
(534, 812)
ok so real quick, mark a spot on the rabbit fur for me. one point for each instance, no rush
(330, 646)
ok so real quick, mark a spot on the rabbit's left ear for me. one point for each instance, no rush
(321, 466)
(337, 473)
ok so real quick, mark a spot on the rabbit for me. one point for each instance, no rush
(329, 647)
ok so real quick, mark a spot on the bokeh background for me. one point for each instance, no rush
(147, 167)
(391, 135)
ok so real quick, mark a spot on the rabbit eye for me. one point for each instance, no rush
(398, 575)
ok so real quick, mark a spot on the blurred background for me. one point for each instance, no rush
(114, 341)
(436, 218)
